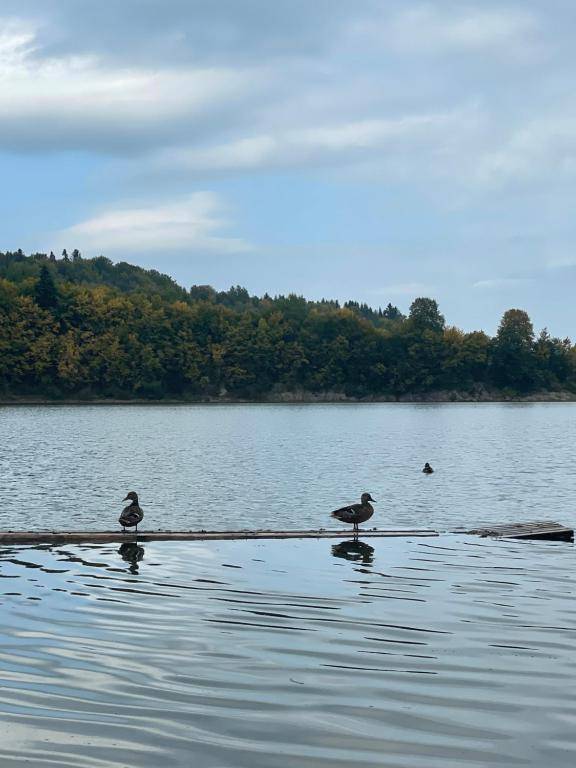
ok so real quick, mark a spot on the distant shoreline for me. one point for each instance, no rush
(304, 398)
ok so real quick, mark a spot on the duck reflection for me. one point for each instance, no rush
(355, 550)
(132, 553)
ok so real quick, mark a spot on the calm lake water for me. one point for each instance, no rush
(286, 466)
(442, 652)
(424, 653)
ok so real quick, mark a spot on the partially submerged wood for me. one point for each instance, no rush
(540, 529)
(543, 529)
(103, 537)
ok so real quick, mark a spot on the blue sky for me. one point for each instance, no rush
(377, 150)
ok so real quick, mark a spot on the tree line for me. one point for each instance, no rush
(89, 328)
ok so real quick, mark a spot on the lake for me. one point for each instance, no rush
(383, 653)
(405, 653)
(286, 466)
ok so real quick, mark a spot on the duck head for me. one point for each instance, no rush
(132, 496)
(365, 498)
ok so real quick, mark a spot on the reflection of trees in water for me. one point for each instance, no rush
(132, 553)
(355, 550)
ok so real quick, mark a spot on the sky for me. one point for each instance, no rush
(376, 150)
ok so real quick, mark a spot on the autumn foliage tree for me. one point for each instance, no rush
(89, 328)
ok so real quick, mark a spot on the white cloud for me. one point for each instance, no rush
(163, 116)
(324, 144)
(427, 28)
(82, 102)
(502, 282)
(16, 42)
(537, 149)
(194, 223)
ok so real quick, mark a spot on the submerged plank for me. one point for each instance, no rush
(540, 529)
(102, 537)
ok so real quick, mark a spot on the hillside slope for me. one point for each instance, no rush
(88, 328)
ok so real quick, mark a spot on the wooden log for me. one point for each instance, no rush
(103, 537)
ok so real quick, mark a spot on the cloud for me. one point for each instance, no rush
(81, 102)
(539, 148)
(503, 283)
(431, 28)
(185, 31)
(194, 223)
(16, 41)
(74, 82)
(339, 143)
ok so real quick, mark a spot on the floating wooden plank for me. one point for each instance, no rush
(102, 537)
(540, 529)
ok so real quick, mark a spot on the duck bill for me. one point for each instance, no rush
(126, 499)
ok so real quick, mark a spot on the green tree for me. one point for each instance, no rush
(93, 328)
(392, 313)
(45, 292)
(553, 361)
(425, 315)
(513, 356)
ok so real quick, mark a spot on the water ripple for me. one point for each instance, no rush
(163, 655)
(494, 463)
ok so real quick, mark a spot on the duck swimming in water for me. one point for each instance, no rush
(427, 469)
(132, 514)
(356, 513)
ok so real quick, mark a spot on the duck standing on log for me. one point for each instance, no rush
(356, 513)
(132, 514)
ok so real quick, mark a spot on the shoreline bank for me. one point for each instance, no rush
(304, 398)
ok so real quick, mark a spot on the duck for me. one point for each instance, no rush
(356, 513)
(427, 469)
(132, 514)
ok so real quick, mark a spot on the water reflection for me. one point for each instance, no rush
(132, 553)
(355, 550)
(454, 651)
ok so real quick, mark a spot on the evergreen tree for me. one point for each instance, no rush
(45, 292)
(391, 312)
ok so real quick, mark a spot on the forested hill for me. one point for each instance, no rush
(88, 328)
